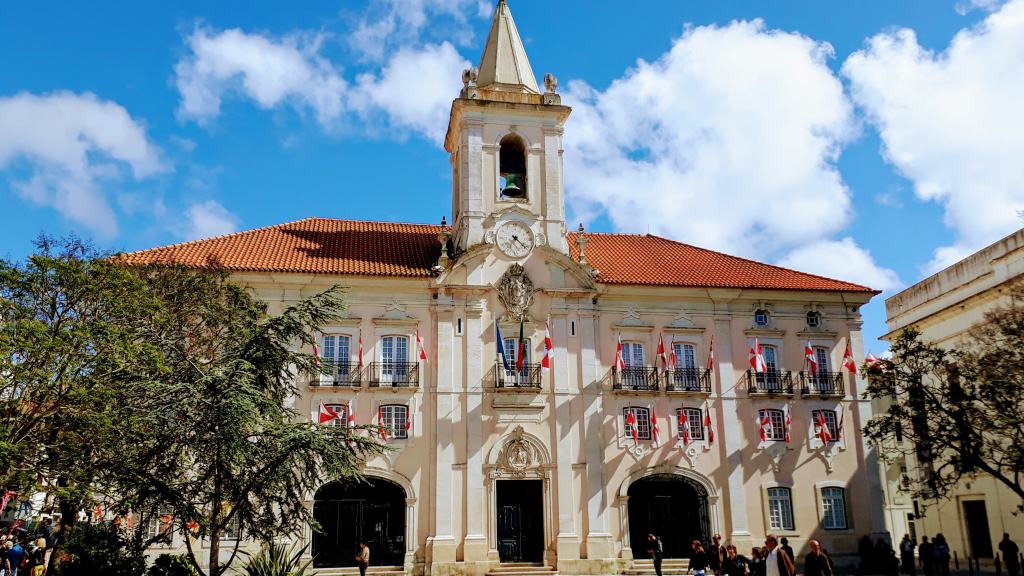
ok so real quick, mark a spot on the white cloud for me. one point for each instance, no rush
(962, 7)
(389, 23)
(729, 140)
(951, 122)
(269, 71)
(71, 145)
(434, 72)
(209, 218)
(845, 260)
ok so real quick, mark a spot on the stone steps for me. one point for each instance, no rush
(669, 567)
(371, 571)
(522, 569)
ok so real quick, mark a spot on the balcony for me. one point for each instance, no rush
(823, 383)
(342, 375)
(528, 378)
(394, 374)
(638, 378)
(693, 380)
(771, 383)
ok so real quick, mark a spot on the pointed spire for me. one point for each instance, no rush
(504, 65)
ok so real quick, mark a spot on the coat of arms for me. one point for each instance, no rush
(515, 291)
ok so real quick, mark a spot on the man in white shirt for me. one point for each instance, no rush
(777, 562)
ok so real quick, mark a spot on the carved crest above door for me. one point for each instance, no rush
(515, 292)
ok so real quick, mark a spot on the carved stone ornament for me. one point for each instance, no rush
(693, 451)
(515, 292)
(517, 455)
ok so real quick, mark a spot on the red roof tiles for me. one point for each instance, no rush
(328, 246)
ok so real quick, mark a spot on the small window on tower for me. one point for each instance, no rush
(813, 320)
(512, 168)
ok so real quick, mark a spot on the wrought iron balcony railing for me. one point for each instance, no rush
(339, 375)
(688, 380)
(771, 382)
(394, 374)
(821, 383)
(641, 378)
(529, 377)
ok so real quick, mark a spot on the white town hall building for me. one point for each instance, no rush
(493, 465)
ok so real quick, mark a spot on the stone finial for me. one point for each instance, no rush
(443, 237)
(550, 83)
(469, 76)
(581, 244)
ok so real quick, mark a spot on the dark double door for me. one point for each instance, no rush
(520, 520)
(670, 507)
(373, 512)
(976, 519)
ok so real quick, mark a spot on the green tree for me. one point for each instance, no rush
(957, 412)
(225, 450)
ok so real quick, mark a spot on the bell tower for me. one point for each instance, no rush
(505, 146)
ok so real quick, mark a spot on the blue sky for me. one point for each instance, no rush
(874, 141)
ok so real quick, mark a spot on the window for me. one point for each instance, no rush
(342, 411)
(780, 509)
(396, 418)
(833, 509)
(775, 429)
(572, 328)
(394, 358)
(694, 421)
(512, 168)
(458, 327)
(336, 355)
(771, 354)
(633, 358)
(821, 358)
(813, 320)
(761, 317)
(233, 530)
(685, 356)
(643, 422)
(770, 379)
(512, 351)
(830, 422)
(160, 526)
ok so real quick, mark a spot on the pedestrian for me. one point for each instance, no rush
(735, 564)
(14, 556)
(37, 558)
(907, 547)
(940, 551)
(776, 561)
(757, 567)
(716, 553)
(1010, 553)
(817, 562)
(926, 552)
(363, 558)
(655, 551)
(784, 544)
(699, 560)
(866, 551)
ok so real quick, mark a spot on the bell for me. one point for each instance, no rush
(511, 189)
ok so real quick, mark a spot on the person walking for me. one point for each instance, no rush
(907, 547)
(1011, 556)
(655, 550)
(757, 567)
(817, 562)
(940, 551)
(363, 558)
(735, 564)
(776, 561)
(699, 560)
(14, 556)
(716, 553)
(927, 554)
(784, 544)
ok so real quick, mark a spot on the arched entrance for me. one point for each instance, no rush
(371, 511)
(674, 508)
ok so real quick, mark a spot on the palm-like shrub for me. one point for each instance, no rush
(276, 560)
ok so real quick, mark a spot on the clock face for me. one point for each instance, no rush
(514, 239)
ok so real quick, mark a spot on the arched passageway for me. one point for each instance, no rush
(671, 507)
(371, 511)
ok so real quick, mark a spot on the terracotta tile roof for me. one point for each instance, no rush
(312, 245)
(329, 246)
(652, 260)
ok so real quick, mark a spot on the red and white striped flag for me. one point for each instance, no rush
(419, 346)
(823, 432)
(545, 362)
(684, 427)
(351, 416)
(812, 364)
(711, 354)
(763, 422)
(789, 424)
(631, 426)
(619, 363)
(839, 429)
(380, 425)
(871, 360)
(655, 433)
(848, 361)
(757, 358)
(327, 413)
(662, 357)
(316, 350)
(672, 354)
(707, 425)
